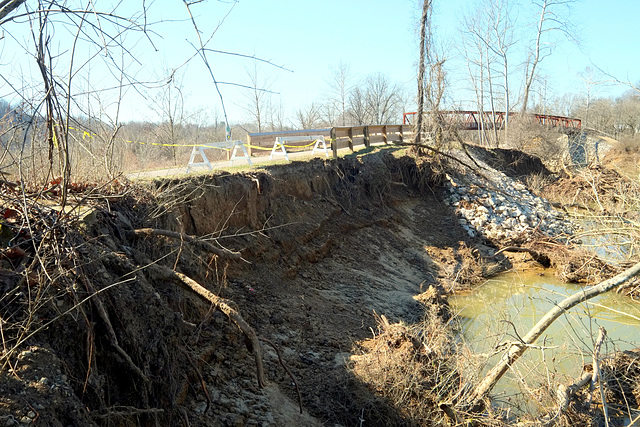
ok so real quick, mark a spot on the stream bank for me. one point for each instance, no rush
(331, 251)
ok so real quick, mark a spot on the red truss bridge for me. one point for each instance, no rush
(475, 120)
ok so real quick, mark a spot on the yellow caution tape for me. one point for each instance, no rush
(301, 146)
(86, 134)
(257, 147)
(177, 145)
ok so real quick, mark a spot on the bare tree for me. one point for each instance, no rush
(358, 106)
(382, 99)
(490, 31)
(170, 107)
(587, 76)
(340, 86)
(66, 42)
(501, 27)
(258, 96)
(474, 51)
(550, 21)
(431, 81)
(309, 117)
(276, 115)
(425, 47)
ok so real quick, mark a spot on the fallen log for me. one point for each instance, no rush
(537, 256)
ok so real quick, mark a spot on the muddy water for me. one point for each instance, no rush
(509, 305)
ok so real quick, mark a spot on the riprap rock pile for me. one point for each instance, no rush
(501, 208)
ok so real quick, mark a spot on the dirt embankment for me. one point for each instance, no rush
(337, 244)
(325, 245)
(329, 251)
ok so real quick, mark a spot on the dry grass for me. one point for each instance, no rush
(418, 369)
(607, 206)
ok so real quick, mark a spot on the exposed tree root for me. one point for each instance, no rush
(221, 252)
(202, 382)
(102, 311)
(123, 411)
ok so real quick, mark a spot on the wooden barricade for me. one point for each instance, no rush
(262, 144)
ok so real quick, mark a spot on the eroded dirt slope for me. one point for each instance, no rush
(326, 246)
(341, 243)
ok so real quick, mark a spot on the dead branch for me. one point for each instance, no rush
(452, 416)
(537, 256)
(7, 6)
(435, 150)
(514, 249)
(224, 306)
(286, 368)
(516, 350)
(596, 377)
(221, 252)
(564, 393)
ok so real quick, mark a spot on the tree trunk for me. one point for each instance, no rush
(424, 45)
(531, 73)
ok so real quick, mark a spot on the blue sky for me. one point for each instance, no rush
(381, 36)
(371, 36)
(308, 38)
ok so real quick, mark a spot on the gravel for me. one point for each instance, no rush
(497, 207)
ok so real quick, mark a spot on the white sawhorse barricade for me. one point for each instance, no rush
(280, 141)
(227, 145)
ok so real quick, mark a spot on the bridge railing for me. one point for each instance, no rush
(474, 120)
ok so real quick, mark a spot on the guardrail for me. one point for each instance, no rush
(339, 136)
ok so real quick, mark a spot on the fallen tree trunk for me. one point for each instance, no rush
(517, 349)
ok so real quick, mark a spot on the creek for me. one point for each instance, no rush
(507, 306)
